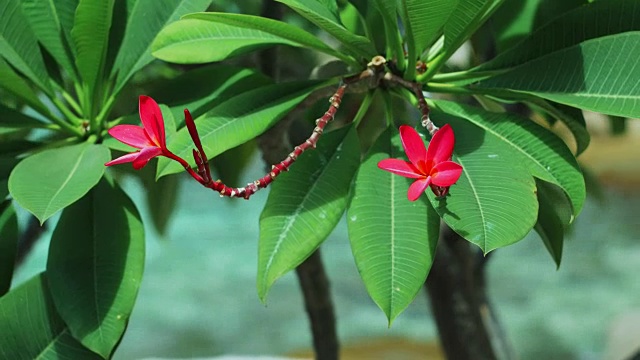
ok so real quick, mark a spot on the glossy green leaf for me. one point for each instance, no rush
(237, 120)
(53, 179)
(8, 244)
(146, 19)
(272, 27)
(195, 41)
(32, 328)
(597, 19)
(18, 44)
(393, 240)
(494, 204)
(44, 21)
(426, 19)
(598, 75)
(95, 265)
(324, 13)
(554, 216)
(203, 88)
(464, 20)
(305, 204)
(66, 10)
(90, 36)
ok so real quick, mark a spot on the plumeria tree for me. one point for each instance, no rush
(475, 176)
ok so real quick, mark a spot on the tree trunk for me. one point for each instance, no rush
(466, 323)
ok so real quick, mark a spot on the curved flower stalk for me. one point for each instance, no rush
(430, 167)
(150, 141)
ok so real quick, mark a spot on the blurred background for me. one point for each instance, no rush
(198, 297)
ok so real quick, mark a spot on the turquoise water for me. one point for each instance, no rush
(198, 296)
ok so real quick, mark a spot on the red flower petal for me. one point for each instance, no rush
(400, 167)
(413, 146)
(123, 159)
(441, 145)
(417, 188)
(131, 135)
(152, 120)
(446, 173)
(145, 155)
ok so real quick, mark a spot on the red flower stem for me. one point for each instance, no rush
(263, 182)
(186, 166)
(422, 102)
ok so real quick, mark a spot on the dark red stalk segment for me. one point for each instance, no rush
(422, 102)
(204, 174)
(199, 156)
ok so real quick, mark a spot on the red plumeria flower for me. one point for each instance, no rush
(149, 137)
(431, 166)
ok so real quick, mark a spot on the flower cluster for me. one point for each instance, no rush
(430, 167)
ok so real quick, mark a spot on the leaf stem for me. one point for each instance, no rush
(63, 124)
(364, 107)
(104, 112)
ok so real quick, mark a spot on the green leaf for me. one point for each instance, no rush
(32, 327)
(493, 204)
(393, 240)
(66, 10)
(554, 217)
(598, 75)
(18, 44)
(597, 19)
(90, 36)
(324, 13)
(270, 27)
(44, 21)
(464, 20)
(237, 120)
(426, 20)
(387, 10)
(147, 18)
(305, 204)
(8, 244)
(95, 265)
(195, 41)
(53, 179)
(18, 87)
(203, 88)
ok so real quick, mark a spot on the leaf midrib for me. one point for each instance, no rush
(293, 217)
(66, 181)
(478, 202)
